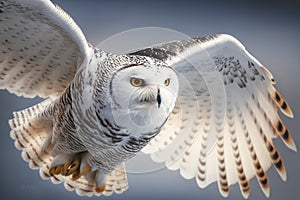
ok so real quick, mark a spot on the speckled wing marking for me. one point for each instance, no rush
(225, 118)
(40, 48)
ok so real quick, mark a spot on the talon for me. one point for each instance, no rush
(55, 170)
(100, 189)
(77, 174)
(64, 170)
(58, 169)
(73, 167)
(52, 171)
(70, 167)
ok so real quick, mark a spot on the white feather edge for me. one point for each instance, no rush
(212, 45)
(227, 41)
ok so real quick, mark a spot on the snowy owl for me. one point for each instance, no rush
(204, 106)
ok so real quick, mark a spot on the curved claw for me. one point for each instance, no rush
(66, 169)
(101, 188)
(76, 175)
(55, 170)
(70, 164)
(85, 170)
(70, 167)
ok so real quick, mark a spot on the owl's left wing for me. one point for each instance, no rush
(226, 115)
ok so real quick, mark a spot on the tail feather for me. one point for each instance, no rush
(30, 132)
(116, 181)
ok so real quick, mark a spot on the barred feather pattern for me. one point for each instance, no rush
(108, 143)
(220, 130)
(242, 132)
(30, 132)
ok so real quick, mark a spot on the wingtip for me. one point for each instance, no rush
(282, 104)
(246, 194)
(224, 193)
(280, 167)
(224, 188)
(266, 191)
(288, 112)
(283, 176)
(289, 141)
(285, 135)
(293, 146)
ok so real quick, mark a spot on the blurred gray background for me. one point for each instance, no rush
(270, 30)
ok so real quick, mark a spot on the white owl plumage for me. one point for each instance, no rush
(204, 106)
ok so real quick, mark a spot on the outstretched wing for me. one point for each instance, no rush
(226, 115)
(41, 48)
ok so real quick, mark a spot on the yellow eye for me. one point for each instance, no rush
(136, 82)
(167, 82)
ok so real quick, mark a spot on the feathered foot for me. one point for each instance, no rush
(70, 164)
(77, 166)
(81, 172)
(100, 179)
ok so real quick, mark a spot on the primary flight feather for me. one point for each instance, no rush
(203, 105)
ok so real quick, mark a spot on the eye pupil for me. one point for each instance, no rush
(137, 81)
(167, 82)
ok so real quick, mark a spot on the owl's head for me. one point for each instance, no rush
(144, 94)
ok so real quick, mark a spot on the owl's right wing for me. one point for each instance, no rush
(226, 116)
(41, 48)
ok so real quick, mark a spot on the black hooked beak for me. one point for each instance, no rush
(158, 97)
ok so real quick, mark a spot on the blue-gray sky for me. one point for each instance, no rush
(268, 29)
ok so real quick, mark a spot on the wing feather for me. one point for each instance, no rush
(225, 118)
(41, 48)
